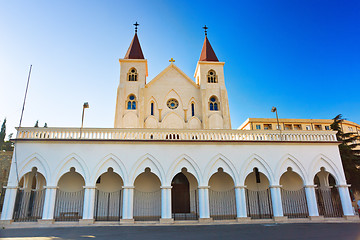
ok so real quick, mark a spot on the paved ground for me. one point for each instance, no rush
(342, 231)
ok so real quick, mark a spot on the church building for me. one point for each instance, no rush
(173, 156)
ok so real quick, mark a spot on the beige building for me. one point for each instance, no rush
(297, 124)
(172, 100)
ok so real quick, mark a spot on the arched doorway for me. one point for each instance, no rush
(108, 198)
(69, 197)
(327, 195)
(293, 196)
(184, 196)
(222, 202)
(180, 194)
(147, 197)
(258, 197)
(29, 202)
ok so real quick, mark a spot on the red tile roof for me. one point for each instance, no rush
(134, 51)
(207, 53)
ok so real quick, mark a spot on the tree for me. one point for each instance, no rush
(3, 132)
(5, 145)
(349, 155)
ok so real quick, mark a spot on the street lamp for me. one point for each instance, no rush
(273, 109)
(86, 105)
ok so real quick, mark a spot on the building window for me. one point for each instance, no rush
(132, 75)
(297, 127)
(258, 127)
(212, 78)
(214, 104)
(152, 109)
(308, 127)
(327, 127)
(131, 102)
(288, 127)
(172, 103)
(192, 109)
(318, 127)
(350, 129)
(267, 126)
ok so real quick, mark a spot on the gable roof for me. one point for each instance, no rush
(171, 66)
(134, 51)
(207, 52)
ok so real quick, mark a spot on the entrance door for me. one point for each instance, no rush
(180, 194)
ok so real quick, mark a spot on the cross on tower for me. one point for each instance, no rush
(136, 26)
(171, 60)
(206, 28)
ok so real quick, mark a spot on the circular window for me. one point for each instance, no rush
(211, 73)
(133, 70)
(132, 97)
(172, 103)
(213, 99)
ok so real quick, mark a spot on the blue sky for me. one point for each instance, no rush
(301, 56)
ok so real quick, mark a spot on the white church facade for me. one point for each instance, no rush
(172, 155)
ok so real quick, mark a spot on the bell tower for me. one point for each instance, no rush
(209, 74)
(133, 72)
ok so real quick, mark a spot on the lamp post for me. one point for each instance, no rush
(86, 105)
(273, 109)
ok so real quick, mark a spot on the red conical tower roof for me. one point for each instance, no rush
(134, 51)
(207, 53)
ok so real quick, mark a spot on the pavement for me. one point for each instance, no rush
(328, 231)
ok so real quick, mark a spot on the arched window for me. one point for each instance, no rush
(152, 109)
(192, 109)
(214, 104)
(131, 102)
(132, 74)
(212, 78)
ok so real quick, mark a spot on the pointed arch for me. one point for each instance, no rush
(323, 161)
(146, 161)
(255, 161)
(35, 160)
(220, 161)
(183, 161)
(72, 160)
(173, 94)
(173, 120)
(290, 161)
(108, 161)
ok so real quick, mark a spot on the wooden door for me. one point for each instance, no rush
(180, 194)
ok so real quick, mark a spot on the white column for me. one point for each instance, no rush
(166, 202)
(275, 191)
(49, 202)
(345, 200)
(9, 203)
(89, 202)
(311, 200)
(128, 202)
(204, 201)
(240, 198)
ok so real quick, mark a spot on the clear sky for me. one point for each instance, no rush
(301, 56)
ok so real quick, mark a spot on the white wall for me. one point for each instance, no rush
(201, 159)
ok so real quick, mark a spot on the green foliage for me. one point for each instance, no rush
(349, 155)
(5, 145)
(3, 132)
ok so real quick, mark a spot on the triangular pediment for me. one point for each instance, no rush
(170, 73)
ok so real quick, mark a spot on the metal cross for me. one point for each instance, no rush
(206, 28)
(171, 60)
(136, 26)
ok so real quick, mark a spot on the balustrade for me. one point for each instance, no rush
(175, 135)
